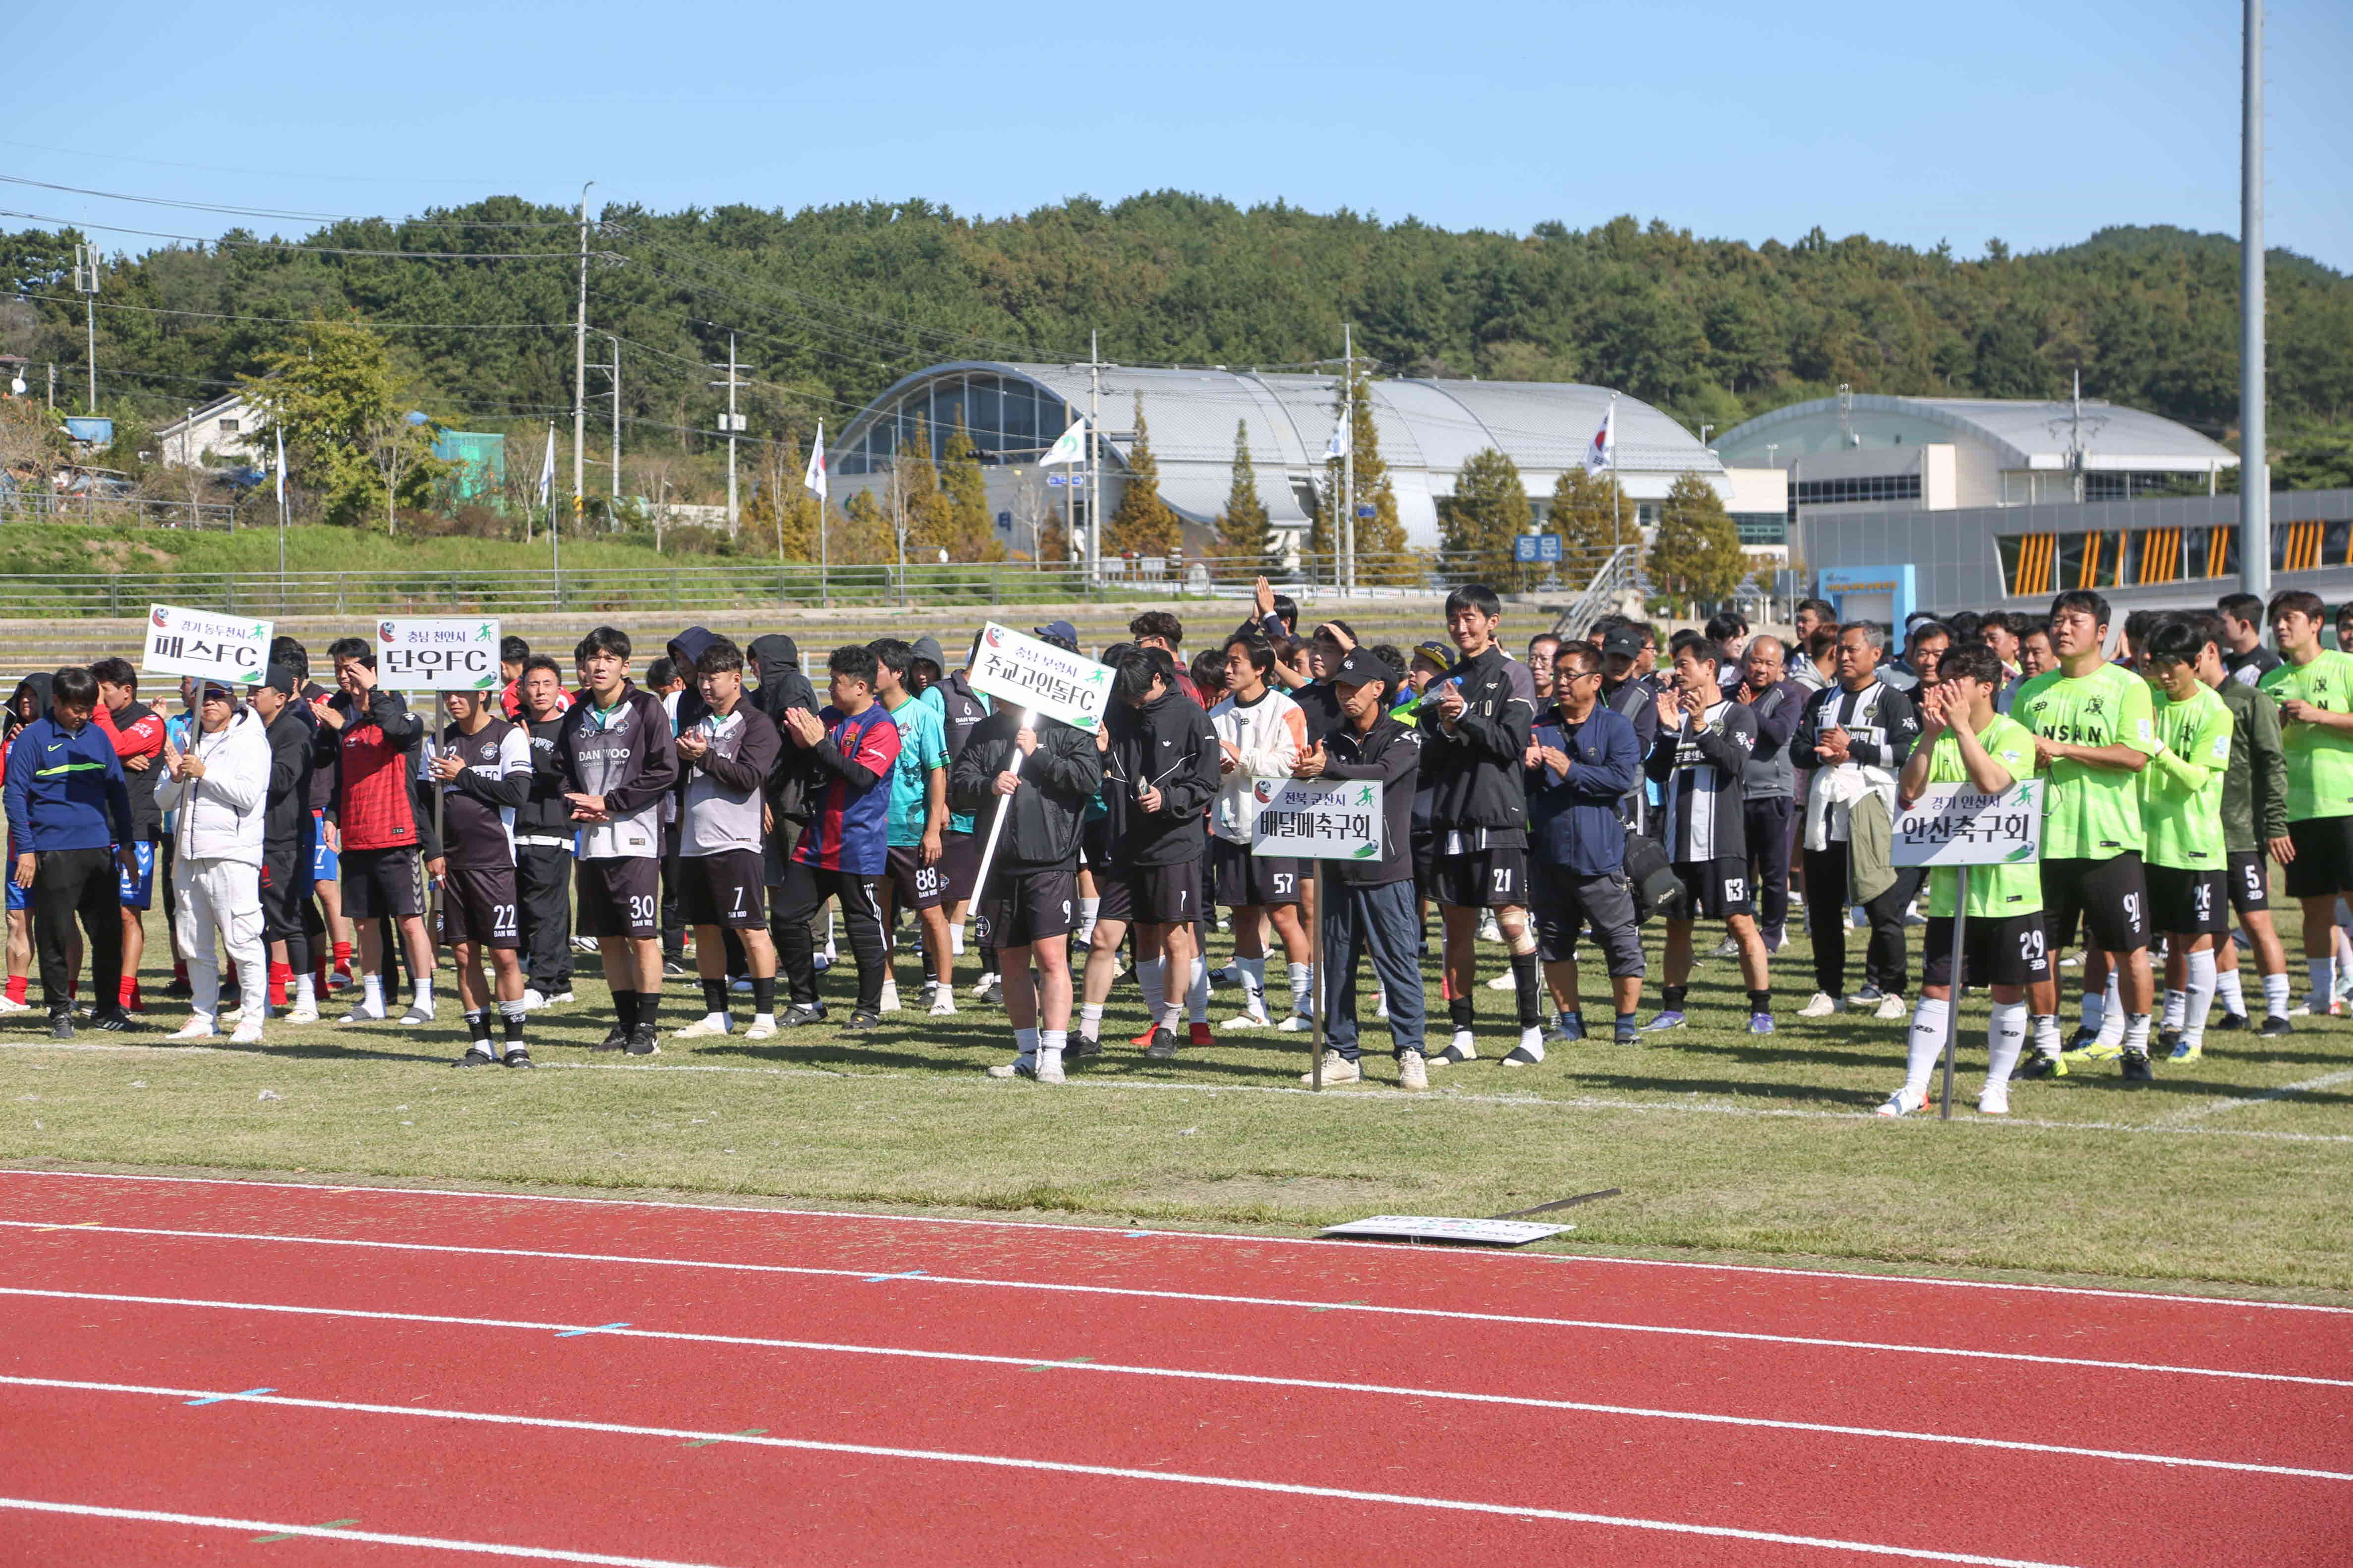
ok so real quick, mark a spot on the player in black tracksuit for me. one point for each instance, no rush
(543, 839)
(1701, 757)
(290, 916)
(1032, 900)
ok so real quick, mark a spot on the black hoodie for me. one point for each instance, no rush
(798, 778)
(1043, 816)
(684, 649)
(1167, 745)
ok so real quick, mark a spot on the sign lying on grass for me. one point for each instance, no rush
(437, 653)
(1041, 677)
(1426, 1227)
(209, 646)
(1953, 824)
(1318, 819)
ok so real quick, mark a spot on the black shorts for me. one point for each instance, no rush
(1484, 879)
(2110, 896)
(479, 906)
(2249, 880)
(1094, 845)
(1565, 904)
(2004, 949)
(2323, 866)
(1425, 863)
(1023, 907)
(383, 882)
(959, 866)
(1715, 888)
(2189, 903)
(1154, 895)
(285, 884)
(914, 886)
(620, 896)
(723, 889)
(1245, 879)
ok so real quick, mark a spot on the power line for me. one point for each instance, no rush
(288, 215)
(298, 246)
(305, 321)
(256, 174)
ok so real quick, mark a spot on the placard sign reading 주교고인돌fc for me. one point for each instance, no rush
(209, 646)
(1041, 678)
(1318, 819)
(437, 653)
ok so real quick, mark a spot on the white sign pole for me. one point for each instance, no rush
(996, 827)
(1953, 1007)
(1958, 826)
(1315, 959)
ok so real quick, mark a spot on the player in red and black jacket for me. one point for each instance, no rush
(372, 739)
(137, 732)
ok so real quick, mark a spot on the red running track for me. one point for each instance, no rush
(782, 1387)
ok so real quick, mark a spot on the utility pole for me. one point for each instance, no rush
(53, 384)
(2254, 472)
(579, 369)
(85, 283)
(1344, 577)
(732, 423)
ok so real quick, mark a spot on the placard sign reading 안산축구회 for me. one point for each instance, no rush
(437, 653)
(209, 646)
(1955, 825)
(1318, 819)
(1040, 677)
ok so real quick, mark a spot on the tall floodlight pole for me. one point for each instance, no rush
(580, 367)
(2254, 472)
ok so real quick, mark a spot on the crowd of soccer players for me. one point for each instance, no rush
(331, 838)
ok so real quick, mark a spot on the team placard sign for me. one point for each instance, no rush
(1318, 819)
(1953, 824)
(205, 644)
(437, 653)
(1040, 677)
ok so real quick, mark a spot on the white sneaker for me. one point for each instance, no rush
(1893, 1007)
(559, 999)
(1529, 1052)
(1903, 1102)
(1994, 1100)
(532, 999)
(1253, 1019)
(583, 944)
(764, 1027)
(1049, 1065)
(302, 1013)
(1337, 1069)
(10, 1004)
(1488, 930)
(1464, 1048)
(1297, 1023)
(702, 1028)
(1413, 1073)
(1021, 1066)
(981, 988)
(943, 1001)
(1822, 1006)
(1380, 1005)
(233, 1014)
(890, 996)
(247, 1032)
(1727, 949)
(1502, 982)
(194, 1029)
(418, 1012)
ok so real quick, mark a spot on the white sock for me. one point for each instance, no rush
(2175, 1002)
(2322, 972)
(2227, 992)
(717, 1018)
(420, 990)
(2112, 1017)
(1197, 994)
(1025, 1042)
(306, 990)
(2136, 1032)
(1303, 988)
(2275, 994)
(2200, 1000)
(1254, 984)
(372, 994)
(1149, 973)
(1091, 1020)
(2005, 1037)
(2046, 1034)
(1053, 1040)
(1926, 1044)
(1085, 933)
(2096, 1009)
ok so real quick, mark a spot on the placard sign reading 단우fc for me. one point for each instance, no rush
(209, 646)
(437, 653)
(1318, 819)
(1953, 825)
(1040, 677)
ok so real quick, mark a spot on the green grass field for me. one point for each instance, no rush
(2234, 1172)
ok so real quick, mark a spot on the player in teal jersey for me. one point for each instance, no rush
(1964, 741)
(2313, 689)
(2187, 895)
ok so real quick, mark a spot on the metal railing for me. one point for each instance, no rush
(1620, 571)
(18, 505)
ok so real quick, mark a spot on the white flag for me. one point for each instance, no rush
(813, 479)
(1603, 453)
(281, 431)
(547, 467)
(1338, 445)
(1071, 446)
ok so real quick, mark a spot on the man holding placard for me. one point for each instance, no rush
(1963, 740)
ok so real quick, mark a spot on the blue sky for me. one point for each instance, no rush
(2034, 124)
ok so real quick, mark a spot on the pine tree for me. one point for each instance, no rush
(1245, 534)
(928, 513)
(1488, 510)
(860, 534)
(972, 531)
(1143, 525)
(1381, 554)
(1696, 553)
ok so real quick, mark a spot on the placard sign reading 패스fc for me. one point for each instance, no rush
(1318, 819)
(437, 653)
(209, 646)
(1953, 825)
(1041, 678)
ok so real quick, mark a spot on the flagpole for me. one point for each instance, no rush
(281, 431)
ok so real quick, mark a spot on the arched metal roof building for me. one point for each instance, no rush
(1427, 429)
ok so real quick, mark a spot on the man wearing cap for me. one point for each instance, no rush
(290, 921)
(219, 789)
(1633, 697)
(1370, 906)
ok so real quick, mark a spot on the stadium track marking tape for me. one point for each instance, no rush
(949, 1456)
(1483, 1257)
(1089, 1363)
(222, 1398)
(289, 1535)
(599, 1328)
(441, 1248)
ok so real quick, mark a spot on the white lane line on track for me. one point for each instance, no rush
(2143, 1297)
(921, 1280)
(1033, 1363)
(1113, 1472)
(2216, 1108)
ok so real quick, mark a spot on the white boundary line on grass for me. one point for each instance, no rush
(869, 1276)
(2216, 1108)
(1003, 1461)
(1127, 1231)
(1033, 1363)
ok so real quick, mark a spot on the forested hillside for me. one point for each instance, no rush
(830, 304)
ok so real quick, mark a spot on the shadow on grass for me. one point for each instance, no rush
(1655, 1083)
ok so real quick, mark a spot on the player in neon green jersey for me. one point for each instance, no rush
(2313, 689)
(1964, 741)
(2093, 732)
(2187, 895)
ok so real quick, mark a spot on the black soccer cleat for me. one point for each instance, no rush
(114, 1020)
(1081, 1049)
(517, 1057)
(2231, 1022)
(616, 1039)
(644, 1041)
(2274, 1026)
(61, 1025)
(2134, 1066)
(1164, 1045)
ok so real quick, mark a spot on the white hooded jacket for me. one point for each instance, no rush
(221, 814)
(1270, 734)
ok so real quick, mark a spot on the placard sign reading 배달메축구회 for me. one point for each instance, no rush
(1040, 677)
(437, 653)
(1318, 819)
(209, 646)
(1953, 824)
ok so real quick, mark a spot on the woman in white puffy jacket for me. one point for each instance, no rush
(219, 787)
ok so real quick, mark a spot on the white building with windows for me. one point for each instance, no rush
(221, 432)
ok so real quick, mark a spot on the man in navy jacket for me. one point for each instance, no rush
(1588, 759)
(70, 812)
